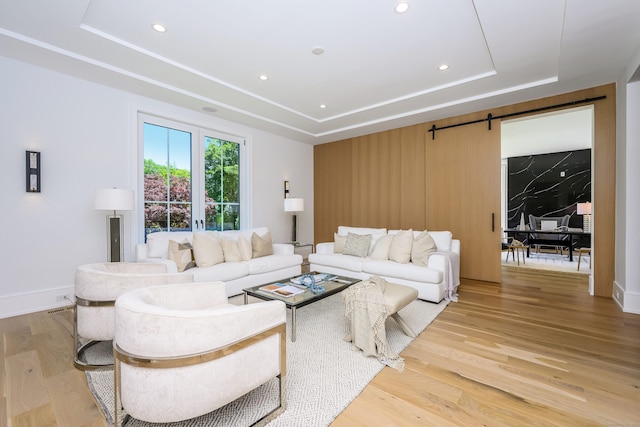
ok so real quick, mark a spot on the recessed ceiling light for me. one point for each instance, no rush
(209, 109)
(263, 77)
(159, 28)
(323, 106)
(317, 50)
(443, 67)
(402, 7)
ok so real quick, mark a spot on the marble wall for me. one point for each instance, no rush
(548, 185)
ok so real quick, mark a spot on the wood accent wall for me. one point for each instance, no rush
(463, 168)
(373, 181)
(380, 180)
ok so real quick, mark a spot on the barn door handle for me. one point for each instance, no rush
(493, 222)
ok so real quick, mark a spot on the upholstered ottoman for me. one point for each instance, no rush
(396, 297)
(367, 306)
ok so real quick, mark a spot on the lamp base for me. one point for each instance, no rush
(294, 226)
(115, 245)
(586, 223)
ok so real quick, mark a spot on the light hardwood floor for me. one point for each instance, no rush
(535, 350)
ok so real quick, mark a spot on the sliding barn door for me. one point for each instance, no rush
(463, 194)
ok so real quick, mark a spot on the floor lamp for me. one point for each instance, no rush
(294, 206)
(114, 199)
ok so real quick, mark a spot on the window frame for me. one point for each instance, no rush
(197, 164)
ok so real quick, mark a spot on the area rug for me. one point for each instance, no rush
(550, 262)
(324, 372)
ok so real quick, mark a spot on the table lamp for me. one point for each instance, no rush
(114, 199)
(294, 206)
(585, 210)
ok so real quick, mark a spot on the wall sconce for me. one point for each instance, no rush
(33, 171)
(286, 189)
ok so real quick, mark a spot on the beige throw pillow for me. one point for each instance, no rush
(244, 245)
(182, 254)
(357, 245)
(338, 243)
(261, 245)
(400, 250)
(381, 248)
(230, 250)
(423, 247)
(206, 250)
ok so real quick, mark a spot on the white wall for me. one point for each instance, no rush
(632, 198)
(566, 130)
(86, 134)
(626, 290)
(294, 164)
(632, 202)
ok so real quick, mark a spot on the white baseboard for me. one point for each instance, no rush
(629, 302)
(31, 302)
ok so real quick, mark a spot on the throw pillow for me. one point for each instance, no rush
(261, 245)
(400, 250)
(206, 250)
(244, 245)
(230, 250)
(423, 247)
(381, 248)
(357, 245)
(182, 254)
(338, 243)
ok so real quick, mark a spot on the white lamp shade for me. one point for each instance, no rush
(584, 208)
(293, 205)
(113, 199)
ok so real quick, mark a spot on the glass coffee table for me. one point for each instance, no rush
(332, 285)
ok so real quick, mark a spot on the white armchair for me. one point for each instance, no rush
(97, 286)
(183, 351)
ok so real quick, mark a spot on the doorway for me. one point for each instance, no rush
(546, 171)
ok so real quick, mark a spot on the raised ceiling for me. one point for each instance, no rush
(379, 69)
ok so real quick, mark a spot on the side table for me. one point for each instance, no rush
(297, 246)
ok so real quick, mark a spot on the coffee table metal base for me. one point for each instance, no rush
(293, 318)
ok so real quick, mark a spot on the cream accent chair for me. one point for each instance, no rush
(96, 287)
(183, 351)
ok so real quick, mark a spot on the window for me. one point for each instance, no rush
(191, 177)
(221, 180)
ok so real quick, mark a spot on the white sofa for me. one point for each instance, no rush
(434, 281)
(237, 274)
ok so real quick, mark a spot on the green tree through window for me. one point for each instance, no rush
(221, 160)
(174, 199)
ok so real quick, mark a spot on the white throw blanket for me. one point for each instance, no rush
(451, 274)
(367, 312)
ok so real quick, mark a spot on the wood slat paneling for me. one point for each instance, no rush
(463, 188)
(332, 188)
(604, 200)
(360, 198)
(413, 194)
